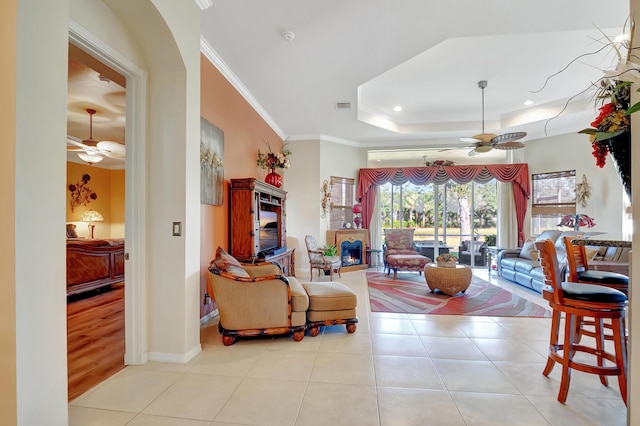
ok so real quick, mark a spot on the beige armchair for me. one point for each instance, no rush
(318, 260)
(258, 300)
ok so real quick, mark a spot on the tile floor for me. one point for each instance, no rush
(396, 370)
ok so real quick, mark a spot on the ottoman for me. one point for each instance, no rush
(330, 303)
(406, 262)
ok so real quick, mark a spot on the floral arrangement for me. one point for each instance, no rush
(274, 160)
(575, 221)
(439, 163)
(613, 119)
(446, 258)
(81, 193)
(612, 98)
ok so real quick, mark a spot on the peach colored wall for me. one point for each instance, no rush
(8, 44)
(244, 133)
(109, 186)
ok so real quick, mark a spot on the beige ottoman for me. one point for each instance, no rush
(330, 303)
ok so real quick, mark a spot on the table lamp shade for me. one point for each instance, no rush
(92, 216)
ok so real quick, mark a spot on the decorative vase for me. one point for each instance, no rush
(274, 179)
(620, 150)
(444, 264)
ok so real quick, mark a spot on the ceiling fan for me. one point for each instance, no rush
(485, 142)
(93, 151)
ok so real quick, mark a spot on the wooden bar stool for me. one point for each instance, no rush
(578, 300)
(579, 272)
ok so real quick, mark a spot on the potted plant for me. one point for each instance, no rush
(447, 260)
(329, 250)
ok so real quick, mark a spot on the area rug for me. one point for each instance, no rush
(409, 293)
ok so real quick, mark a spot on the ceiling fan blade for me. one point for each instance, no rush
(472, 153)
(508, 137)
(112, 149)
(509, 145)
(470, 140)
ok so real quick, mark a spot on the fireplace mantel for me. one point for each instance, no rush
(338, 236)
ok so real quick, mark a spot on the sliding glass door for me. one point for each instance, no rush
(450, 218)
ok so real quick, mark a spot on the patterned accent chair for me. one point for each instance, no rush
(400, 252)
(318, 260)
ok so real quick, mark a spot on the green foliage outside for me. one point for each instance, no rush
(412, 206)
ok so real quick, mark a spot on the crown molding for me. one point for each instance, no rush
(326, 138)
(204, 4)
(224, 69)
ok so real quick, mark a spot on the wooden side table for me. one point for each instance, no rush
(449, 281)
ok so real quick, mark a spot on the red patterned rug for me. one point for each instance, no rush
(409, 293)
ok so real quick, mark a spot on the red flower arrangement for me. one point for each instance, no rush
(613, 119)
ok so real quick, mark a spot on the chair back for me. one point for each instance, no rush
(548, 258)
(312, 248)
(576, 259)
(399, 239)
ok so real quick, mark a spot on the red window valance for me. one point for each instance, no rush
(518, 174)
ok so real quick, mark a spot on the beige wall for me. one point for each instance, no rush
(109, 186)
(8, 390)
(573, 152)
(40, 181)
(304, 196)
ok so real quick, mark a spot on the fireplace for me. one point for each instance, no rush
(351, 253)
(352, 246)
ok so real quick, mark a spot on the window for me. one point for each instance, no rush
(343, 195)
(554, 196)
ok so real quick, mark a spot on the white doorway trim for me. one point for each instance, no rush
(135, 299)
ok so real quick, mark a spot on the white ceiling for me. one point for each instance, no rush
(426, 56)
(423, 55)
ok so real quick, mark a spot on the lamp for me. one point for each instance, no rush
(91, 216)
(90, 157)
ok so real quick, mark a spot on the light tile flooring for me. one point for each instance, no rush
(396, 370)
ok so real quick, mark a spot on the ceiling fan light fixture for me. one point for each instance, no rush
(90, 158)
(483, 148)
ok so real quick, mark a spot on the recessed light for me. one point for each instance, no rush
(621, 38)
(528, 102)
(397, 108)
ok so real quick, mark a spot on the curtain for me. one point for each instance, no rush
(518, 174)
(508, 236)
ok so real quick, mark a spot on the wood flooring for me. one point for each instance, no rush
(95, 338)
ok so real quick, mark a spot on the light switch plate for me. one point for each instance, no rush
(177, 229)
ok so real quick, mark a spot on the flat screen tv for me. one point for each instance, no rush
(268, 230)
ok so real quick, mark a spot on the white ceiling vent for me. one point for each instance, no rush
(343, 105)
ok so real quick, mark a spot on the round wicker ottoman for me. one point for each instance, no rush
(449, 281)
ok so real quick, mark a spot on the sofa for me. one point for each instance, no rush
(521, 265)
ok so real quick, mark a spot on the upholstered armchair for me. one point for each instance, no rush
(256, 300)
(479, 253)
(398, 241)
(318, 260)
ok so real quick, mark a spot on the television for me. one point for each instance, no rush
(269, 227)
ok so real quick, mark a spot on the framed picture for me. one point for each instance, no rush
(211, 164)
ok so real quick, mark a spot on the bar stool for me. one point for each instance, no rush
(579, 271)
(575, 301)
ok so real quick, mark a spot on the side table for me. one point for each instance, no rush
(449, 281)
(492, 254)
(374, 258)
